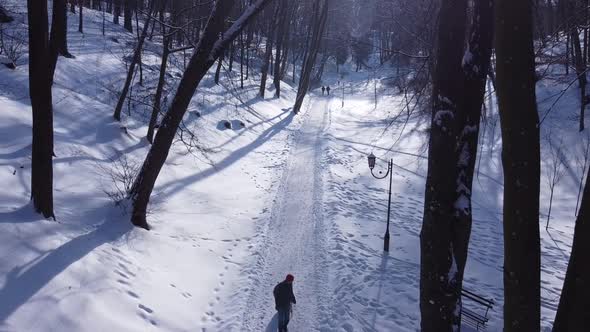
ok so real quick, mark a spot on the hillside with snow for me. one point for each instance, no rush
(240, 207)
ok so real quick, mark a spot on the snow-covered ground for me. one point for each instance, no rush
(286, 194)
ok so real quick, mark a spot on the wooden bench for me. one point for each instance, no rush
(473, 318)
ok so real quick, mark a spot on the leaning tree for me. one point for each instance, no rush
(214, 40)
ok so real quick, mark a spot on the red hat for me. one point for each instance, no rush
(290, 278)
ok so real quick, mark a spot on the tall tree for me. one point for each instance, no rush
(443, 241)
(573, 312)
(317, 27)
(283, 22)
(267, 55)
(212, 43)
(515, 86)
(41, 102)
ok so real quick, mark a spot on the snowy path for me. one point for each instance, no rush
(295, 240)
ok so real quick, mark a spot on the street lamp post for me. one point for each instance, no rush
(371, 158)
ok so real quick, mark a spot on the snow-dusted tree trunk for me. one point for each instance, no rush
(212, 43)
(442, 239)
(573, 312)
(41, 102)
(515, 69)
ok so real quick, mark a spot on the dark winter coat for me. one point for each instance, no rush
(284, 296)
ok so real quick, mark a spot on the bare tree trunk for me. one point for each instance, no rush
(285, 56)
(282, 23)
(218, 70)
(134, 61)
(41, 102)
(319, 25)
(145, 28)
(267, 56)
(116, 11)
(161, 82)
(442, 241)
(241, 60)
(81, 19)
(128, 14)
(232, 48)
(58, 42)
(515, 68)
(572, 312)
(581, 72)
(208, 50)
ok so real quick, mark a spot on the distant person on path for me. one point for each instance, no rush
(328, 89)
(284, 296)
(323, 90)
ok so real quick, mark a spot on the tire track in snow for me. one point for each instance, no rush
(295, 240)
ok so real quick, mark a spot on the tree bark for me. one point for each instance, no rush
(208, 50)
(41, 102)
(515, 68)
(573, 312)
(443, 242)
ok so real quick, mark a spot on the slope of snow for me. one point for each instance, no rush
(285, 194)
(90, 271)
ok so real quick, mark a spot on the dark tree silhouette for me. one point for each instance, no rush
(573, 311)
(515, 87)
(41, 102)
(442, 243)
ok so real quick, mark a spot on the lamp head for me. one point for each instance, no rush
(371, 158)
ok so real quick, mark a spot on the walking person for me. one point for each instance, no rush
(284, 297)
(323, 90)
(328, 89)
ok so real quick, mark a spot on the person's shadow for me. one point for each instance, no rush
(273, 325)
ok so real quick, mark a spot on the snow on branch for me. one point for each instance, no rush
(236, 27)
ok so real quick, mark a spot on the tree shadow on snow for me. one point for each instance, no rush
(23, 282)
(268, 134)
(24, 214)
